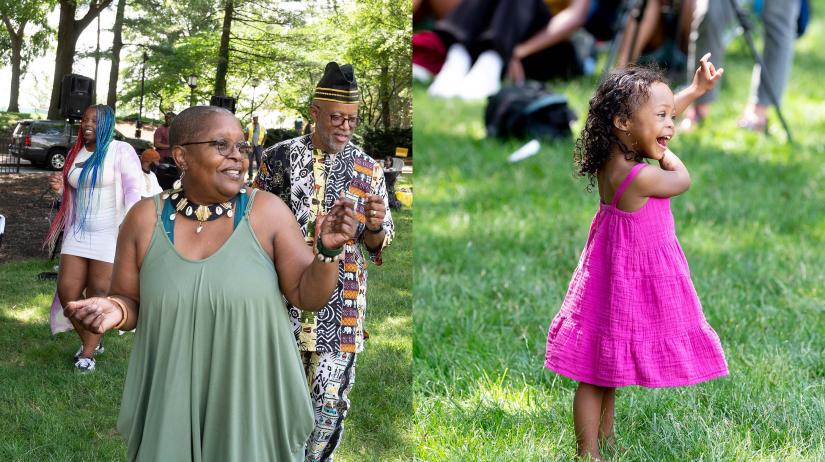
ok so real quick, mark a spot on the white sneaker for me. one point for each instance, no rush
(484, 78)
(448, 81)
(85, 365)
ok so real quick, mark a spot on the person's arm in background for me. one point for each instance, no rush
(158, 141)
(131, 174)
(560, 27)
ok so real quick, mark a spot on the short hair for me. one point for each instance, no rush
(192, 122)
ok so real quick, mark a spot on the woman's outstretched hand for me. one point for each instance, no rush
(339, 225)
(56, 182)
(97, 314)
(707, 76)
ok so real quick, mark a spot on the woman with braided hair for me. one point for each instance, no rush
(100, 182)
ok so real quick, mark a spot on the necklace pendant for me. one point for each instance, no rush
(230, 213)
(200, 227)
(202, 213)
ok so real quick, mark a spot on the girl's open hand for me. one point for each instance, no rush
(707, 76)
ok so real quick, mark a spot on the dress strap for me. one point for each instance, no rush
(628, 179)
(244, 204)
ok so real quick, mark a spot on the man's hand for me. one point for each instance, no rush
(374, 211)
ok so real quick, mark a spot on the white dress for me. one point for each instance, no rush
(149, 185)
(117, 189)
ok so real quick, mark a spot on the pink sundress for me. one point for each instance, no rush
(631, 315)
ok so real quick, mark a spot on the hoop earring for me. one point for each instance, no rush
(178, 184)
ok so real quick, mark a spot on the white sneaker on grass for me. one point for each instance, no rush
(85, 365)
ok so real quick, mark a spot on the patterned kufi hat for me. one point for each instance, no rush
(338, 84)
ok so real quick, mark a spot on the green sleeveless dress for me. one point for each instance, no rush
(214, 373)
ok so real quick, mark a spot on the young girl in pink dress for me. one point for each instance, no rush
(631, 315)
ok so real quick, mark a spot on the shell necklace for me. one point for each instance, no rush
(198, 212)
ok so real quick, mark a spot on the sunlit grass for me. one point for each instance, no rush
(48, 412)
(496, 244)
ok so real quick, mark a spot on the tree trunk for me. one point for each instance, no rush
(68, 32)
(117, 44)
(223, 53)
(16, 38)
(386, 96)
(14, 94)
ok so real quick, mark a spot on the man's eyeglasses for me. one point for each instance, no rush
(337, 119)
(224, 147)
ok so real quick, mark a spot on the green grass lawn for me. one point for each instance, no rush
(496, 244)
(48, 412)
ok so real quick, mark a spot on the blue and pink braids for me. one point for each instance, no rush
(75, 207)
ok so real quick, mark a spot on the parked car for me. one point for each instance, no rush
(46, 142)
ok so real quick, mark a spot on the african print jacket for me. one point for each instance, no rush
(288, 170)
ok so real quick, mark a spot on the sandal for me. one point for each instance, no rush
(753, 121)
(693, 119)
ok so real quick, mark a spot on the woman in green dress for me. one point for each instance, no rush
(214, 373)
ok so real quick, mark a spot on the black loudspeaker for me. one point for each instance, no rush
(226, 102)
(76, 94)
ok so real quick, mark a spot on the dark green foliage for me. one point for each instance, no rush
(276, 135)
(378, 142)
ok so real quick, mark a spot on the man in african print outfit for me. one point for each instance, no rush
(309, 173)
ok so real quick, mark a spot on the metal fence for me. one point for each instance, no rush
(8, 162)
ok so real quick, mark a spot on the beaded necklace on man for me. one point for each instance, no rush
(317, 208)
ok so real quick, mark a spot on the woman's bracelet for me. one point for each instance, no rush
(326, 255)
(123, 310)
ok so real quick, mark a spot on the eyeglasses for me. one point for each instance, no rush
(337, 119)
(223, 146)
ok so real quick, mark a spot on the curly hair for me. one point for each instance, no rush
(620, 95)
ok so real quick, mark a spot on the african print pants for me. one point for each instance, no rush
(330, 377)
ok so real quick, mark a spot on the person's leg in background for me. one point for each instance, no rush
(510, 24)
(256, 153)
(710, 20)
(779, 18)
(330, 377)
(72, 281)
(251, 157)
(459, 31)
(490, 30)
(646, 28)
